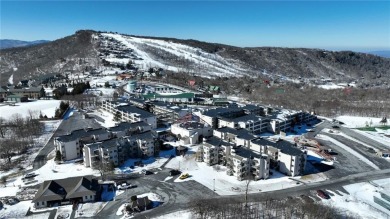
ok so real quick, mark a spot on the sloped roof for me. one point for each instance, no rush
(60, 189)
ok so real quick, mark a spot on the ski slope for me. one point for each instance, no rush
(212, 64)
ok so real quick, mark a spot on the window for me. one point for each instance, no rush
(86, 197)
(43, 203)
(90, 196)
(37, 203)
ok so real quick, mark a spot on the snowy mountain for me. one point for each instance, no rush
(7, 43)
(108, 53)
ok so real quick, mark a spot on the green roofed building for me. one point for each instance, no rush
(17, 98)
(179, 97)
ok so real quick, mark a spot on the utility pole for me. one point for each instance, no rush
(214, 184)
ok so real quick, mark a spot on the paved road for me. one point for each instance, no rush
(67, 125)
(178, 196)
(364, 139)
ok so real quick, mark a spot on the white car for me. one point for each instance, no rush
(124, 186)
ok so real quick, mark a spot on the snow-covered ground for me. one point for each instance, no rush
(358, 122)
(17, 210)
(13, 183)
(177, 215)
(215, 64)
(101, 92)
(99, 81)
(150, 163)
(360, 200)
(63, 211)
(153, 197)
(46, 107)
(332, 86)
(89, 209)
(224, 184)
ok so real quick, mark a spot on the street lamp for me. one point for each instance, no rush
(214, 184)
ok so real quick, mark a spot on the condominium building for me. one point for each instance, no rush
(286, 157)
(240, 137)
(118, 150)
(252, 123)
(124, 128)
(130, 113)
(243, 164)
(283, 120)
(191, 132)
(70, 146)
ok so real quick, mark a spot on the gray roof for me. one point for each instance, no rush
(220, 111)
(133, 109)
(81, 133)
(60, 189)
(26, 90)
(127, 126)
(144, 135)
(284, 146)
(240, 133)
(113, 142)
(217, 141)
(247, 153)
(3, 90)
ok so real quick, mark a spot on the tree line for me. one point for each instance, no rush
(17, 136)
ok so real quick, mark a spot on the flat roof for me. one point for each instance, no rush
(127, 125)
(221, 110)
(80, 133)
(215, 141)
(285, 146)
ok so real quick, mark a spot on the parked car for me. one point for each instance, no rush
(322, 194)
(30, 175)
(184, 176)
(335, 126)
(310, 130)
(146, 172)
(124, 186)
(174, 172)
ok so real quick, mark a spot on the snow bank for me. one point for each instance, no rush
(18, 210)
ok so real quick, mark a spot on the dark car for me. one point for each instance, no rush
(322, 194)
(174, 172)
(30, 175)
(335, 126)
(147, 172)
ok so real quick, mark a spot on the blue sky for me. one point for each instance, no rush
(336, 25)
